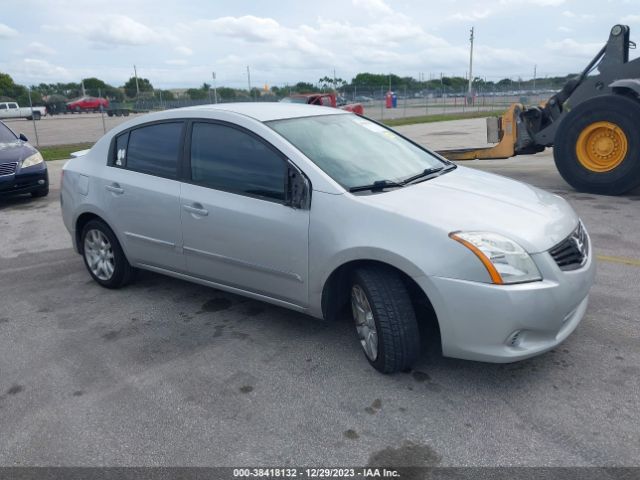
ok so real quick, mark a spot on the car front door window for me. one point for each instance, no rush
(232, 160)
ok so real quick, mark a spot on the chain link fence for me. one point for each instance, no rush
(381, 103)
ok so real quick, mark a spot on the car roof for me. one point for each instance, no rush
(266, 111)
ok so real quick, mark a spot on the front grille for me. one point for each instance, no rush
(8, 168)
(572, 252)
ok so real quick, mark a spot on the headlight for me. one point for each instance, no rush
(32, 160)
(505, 260)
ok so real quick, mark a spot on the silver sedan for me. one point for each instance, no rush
(331, 214)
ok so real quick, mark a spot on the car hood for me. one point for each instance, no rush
(471, 200)
(15, 151)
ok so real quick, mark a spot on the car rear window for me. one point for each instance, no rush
(153, 149)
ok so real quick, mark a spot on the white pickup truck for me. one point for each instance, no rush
(12, 110)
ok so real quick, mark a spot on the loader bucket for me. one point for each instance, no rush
(503, 131)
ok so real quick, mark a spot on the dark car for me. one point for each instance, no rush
(22, 168)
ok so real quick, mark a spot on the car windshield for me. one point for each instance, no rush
(354, 151)
(6, 135)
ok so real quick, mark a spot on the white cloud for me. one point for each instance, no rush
(38, 49)
(248, 28)
(6, 31)
(373, 7)
(570, 47)
(471, 16)
(33, 68)
(177, 61)
(630, 19)
(111, 30)
(540, 3)
(564, 29)
(182, 50)
(265, 32)
(578, 16)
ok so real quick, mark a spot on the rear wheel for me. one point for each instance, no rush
(104, 257)
(597, 146)
(385, 319)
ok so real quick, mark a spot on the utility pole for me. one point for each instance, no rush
(249, 80)
(471, 63)
(135, 74)
(215, 90)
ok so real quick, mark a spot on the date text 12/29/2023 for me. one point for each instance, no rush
(270, 472)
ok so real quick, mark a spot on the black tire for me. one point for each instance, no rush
(394, 317)
(621, 111)
(43, 192)
(123, 272)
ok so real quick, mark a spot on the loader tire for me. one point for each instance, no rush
(597, 146)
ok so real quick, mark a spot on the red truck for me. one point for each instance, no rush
(324, 99)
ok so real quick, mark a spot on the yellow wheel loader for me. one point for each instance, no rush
(593, 123)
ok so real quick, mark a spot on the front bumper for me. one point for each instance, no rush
(506, 323)
(25, 180)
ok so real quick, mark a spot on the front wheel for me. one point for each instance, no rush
(597, 146)
(103, 256)
(385, 319)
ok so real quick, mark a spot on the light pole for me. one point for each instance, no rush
(135, 74)
(215, 90)
(249, 80)
(471, 63)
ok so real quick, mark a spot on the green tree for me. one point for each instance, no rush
(197, 93)
(93, 85)
(143, 84)
(166, 95)
(226, 93)
(304, 87)
(7, 85)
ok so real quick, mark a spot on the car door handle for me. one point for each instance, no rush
(114, 188)
(196, 209)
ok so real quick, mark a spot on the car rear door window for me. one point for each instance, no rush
(226, 158)
(153, 149)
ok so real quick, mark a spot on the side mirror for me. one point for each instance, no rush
(23, 137)
(298, 189)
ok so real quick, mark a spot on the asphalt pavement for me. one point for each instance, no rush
(165, 372)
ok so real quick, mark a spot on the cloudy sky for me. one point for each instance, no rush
(179, 44)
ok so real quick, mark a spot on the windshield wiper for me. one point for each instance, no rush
(425, 173)
(377, 185)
